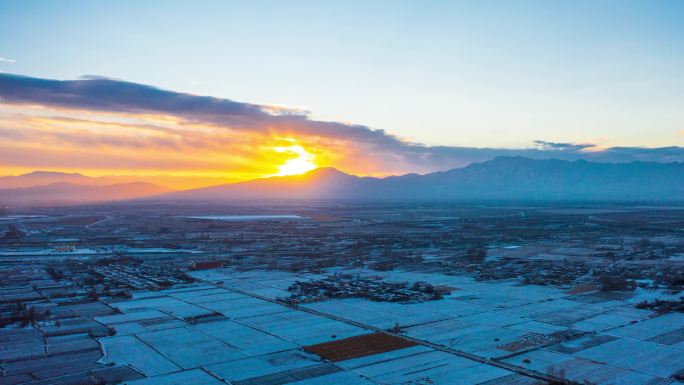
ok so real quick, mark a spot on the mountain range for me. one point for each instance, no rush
(68, 193)
(503, 178)
(43, 178)
(171, 182)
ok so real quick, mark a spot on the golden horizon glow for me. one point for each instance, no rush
(303, 162)
(170, 151)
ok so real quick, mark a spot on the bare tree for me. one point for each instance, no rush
(4, 210)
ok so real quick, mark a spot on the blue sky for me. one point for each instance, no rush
(452, 73)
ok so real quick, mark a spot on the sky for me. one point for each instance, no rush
(373, 88)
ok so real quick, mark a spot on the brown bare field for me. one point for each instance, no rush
(359, 346)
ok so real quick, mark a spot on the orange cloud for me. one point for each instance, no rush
(115, 144)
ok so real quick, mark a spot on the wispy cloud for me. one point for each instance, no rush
(182, 130)
(551, 146)
(6, 60)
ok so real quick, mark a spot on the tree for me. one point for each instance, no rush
(611, 282)
(644, 243)
(31, 316)
(396, 329)
(13, 232)
(477, 254)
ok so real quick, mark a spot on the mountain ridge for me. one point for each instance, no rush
(502, 178)
(67, 193)
(44, 178)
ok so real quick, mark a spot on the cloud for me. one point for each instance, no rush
(119, 116)
(544, 145)
(6, 60)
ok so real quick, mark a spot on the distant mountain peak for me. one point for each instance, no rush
(327, 172)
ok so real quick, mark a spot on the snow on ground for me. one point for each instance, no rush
(263, 365)
(430, 366)
(188, 377)
(245, 338)
(379, 314)
(129, 350)
(650, 327)
(640, 356)
(346, 378)
(245, 307)
(190, 349)
(302, 328)
(257, 340)
(166, 304)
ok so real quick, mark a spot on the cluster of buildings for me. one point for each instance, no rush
(373, 289)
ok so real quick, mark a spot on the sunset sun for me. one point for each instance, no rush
(299, 164)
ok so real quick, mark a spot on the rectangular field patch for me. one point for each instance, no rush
(359, 346)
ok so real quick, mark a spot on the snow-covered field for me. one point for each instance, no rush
(250, 340)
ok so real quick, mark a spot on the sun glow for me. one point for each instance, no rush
(302, 163)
